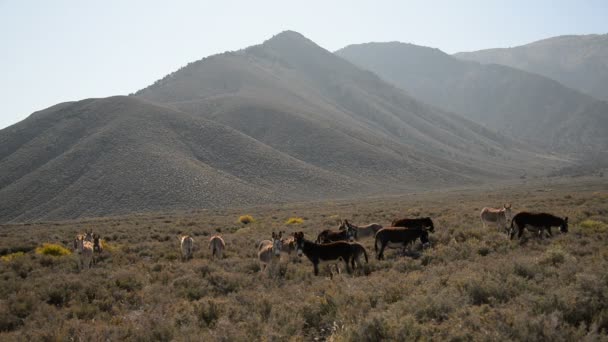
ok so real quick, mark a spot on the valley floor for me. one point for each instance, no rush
(472, 284)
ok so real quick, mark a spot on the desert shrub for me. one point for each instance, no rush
(553, 256)
(232, 230)
(294, 220)
(436, 306)
(374, 328)
(154, 329)
(15, 249)
(107, 247)
(246, 219)
(191, 287)
(8, 321)
(546, 327)
(407, 329)
(526, 271)
(172, 255)
(12, 256)
(224, 282)
(22, 303)
(208, 312)
(127, 281)
(486, 291)
(58, 295)
(83, 310)
(589, 299)
(21, 266)
(319, 313)
(483, 251)
(52, 249)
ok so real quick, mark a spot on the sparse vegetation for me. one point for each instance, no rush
(294, 220)
(596, 226)
(52, 250)
(472, 284)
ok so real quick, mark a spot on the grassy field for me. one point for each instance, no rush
(472, 284)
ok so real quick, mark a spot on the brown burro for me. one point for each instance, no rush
(398, 236)
(349, 234)
(328, 252)
(537, 222)
(422, 222)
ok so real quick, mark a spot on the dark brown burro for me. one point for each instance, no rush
(317, 253)
(537, 221)
(422, 222)
(398, 236)
(349, 234)
(358, 250)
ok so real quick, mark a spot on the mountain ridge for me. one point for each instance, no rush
(524, 105)
(285, 120)
(577, 61)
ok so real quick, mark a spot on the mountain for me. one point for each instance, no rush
(526, 106)
(281, 121)
(305, 101)
(579, 62)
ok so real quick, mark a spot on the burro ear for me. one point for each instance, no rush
(273, 235)
(566, 219)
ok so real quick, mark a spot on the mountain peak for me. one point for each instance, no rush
(288, 34)
(288, 39)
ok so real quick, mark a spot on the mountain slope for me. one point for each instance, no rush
(303, 100)
(282, 121)
(121, 154)
(526, 106)
(579, 62)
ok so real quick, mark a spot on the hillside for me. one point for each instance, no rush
(523, 105)
(282, 121)
(303, 100)
(121, 154)
(579, 62)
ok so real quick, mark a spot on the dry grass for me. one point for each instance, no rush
(472, 284)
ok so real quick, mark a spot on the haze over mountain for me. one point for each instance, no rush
(579, 62)
(526, 106)
(303, 100)
(284, 120)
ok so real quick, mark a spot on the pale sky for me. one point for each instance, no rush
(56, 51)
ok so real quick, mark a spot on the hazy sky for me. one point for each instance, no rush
(56, 51)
